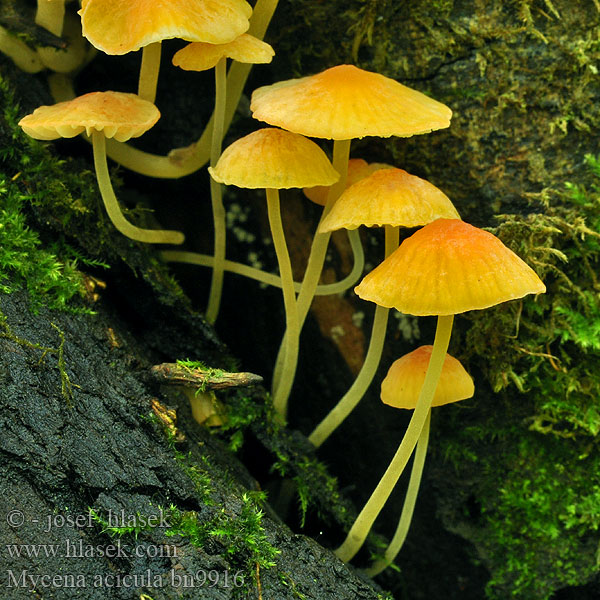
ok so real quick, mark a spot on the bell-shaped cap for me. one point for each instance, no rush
(449, 267)
(273, 158)
(121, 26)
(346, 102)
(389, 197)
(404, 380)
(118, 115)
(200, 56)
(357, 169)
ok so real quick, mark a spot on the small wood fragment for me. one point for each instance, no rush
(203, 378)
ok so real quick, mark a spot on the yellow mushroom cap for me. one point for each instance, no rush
(404, 380)
(345, 102)
(449, 267)
(389, 197)
(199, 56)
(121, 26)
(118, 115)
(273, 158)
(357, 169)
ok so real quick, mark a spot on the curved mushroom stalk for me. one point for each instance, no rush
(327, 289)
(408, 507)
(316, 259)
(365, 376)
(151, 236)
(361, 527)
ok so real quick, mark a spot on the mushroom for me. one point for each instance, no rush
(102, 115)
(118, 27)
(276, 159)
(199, 56)
(400, 389)
(445, 268)
(342, 103)
(391, 198)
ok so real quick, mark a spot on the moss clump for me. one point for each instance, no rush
(556, 357)
(537, 482)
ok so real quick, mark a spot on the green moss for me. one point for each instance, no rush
(29, 179)
(534, 446)
(242, 536)
(66, 385)
(549, 345)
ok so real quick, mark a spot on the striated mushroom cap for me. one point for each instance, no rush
(357, 169)
(404, 380)
(274, 158)
(389, 197)
(346, 102)
(449, 267)
(121, 26)
(118, 115)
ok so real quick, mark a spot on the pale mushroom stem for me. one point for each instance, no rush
(364, 378)
(21, 54)
(216, 194)
(316, 259)
(149, 70)
(50, 15)
(281, 393)
(408, 507)
(359, 531)
(153, 236)
(182, 161)
(204, 260)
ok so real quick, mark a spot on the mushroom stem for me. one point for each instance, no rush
(149, 70)
(318, 250)
(281, 392)
(364, 378)
(180, 161)
(204, 260)
(409, 504)
(21, 54)
(216, 194)
(154, 236)
(206, 409)
(50, 15)
(359, 531)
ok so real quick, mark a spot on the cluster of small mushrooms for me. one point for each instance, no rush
(447, 267)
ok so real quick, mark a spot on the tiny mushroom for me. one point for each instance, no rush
(275, 159)
(102, 115)
(200, 56)
(400, 389)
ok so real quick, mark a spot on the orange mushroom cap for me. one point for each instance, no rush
(389, 197)
(346, 102)
(118, 115)
(357, 169)
(449, 267)
(121, 26)
(404, 380)
(200, 56)
(274, 158)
